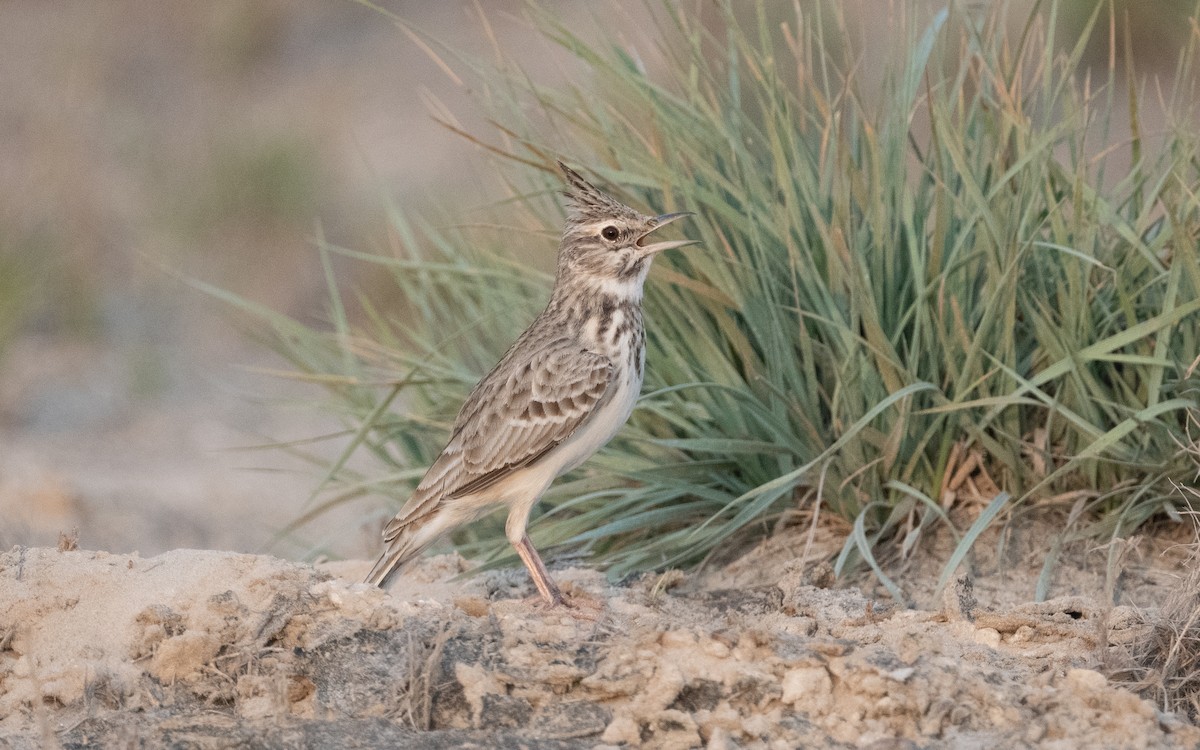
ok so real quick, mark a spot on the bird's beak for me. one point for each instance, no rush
(659, 223)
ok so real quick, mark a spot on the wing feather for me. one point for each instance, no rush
(513, 417)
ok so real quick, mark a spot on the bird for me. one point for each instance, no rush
(560, 392)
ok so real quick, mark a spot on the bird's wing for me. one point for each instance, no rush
(519, 412)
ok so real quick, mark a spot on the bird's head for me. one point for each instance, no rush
(606, 242)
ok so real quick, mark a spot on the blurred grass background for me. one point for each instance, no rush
(212, 139)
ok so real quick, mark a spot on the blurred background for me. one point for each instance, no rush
(142, 143)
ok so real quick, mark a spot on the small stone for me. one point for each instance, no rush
(677, 639)
(1021, 635)
(472, 605)
(810, 686)
(959, 603)
(989, 637)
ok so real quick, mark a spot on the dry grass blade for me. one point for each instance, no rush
(1169, 656)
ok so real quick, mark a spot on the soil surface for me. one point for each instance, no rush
(205, 649)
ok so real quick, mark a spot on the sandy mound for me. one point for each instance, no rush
(211, 649)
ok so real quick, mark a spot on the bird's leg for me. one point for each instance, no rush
(537, 571)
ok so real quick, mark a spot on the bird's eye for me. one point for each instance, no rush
(610, 233)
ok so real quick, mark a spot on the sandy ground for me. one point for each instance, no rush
(204, 649)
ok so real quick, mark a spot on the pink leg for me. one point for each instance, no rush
(538, 572)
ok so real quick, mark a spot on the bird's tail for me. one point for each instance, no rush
(403, 540)
(393, 559)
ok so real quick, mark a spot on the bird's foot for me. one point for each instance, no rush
(578, 604)
(583, 609)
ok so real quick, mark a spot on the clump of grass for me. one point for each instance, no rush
(1166, 663)
(936, 296)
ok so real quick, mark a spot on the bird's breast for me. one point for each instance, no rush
(611, 413)
(612, 326)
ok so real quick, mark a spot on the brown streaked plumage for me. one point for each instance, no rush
(561, 391)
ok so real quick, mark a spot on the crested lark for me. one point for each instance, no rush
(560, 392)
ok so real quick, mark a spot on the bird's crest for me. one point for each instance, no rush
(586, 202)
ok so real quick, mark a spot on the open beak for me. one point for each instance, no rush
(659, 223)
